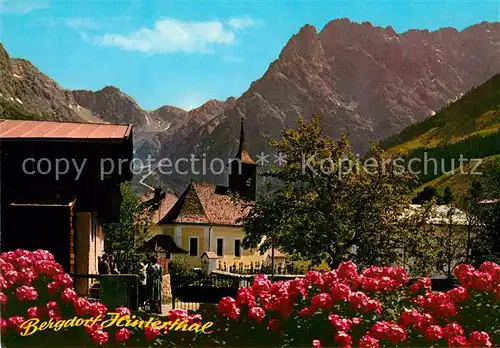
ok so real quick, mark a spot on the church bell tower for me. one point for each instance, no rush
(243, 171)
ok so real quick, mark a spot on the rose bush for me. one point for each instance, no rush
(371, 308)
(375, 307)
(33, 285)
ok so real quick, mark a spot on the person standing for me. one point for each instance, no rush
(103, 266)
(142, 284)
(155, 286)
(112, 265)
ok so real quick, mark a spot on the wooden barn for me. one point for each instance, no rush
(59, 182)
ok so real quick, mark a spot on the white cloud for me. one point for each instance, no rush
(172, 35)
(21, 7)
(241, 22)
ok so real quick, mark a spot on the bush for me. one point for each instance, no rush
(33, 285)
(372, 308)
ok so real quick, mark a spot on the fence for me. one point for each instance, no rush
(262, 268)
(189, 292)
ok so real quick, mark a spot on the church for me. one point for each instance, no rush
(205, 218)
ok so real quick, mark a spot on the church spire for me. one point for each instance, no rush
(242, 153)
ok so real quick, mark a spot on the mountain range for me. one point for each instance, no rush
(368, 80)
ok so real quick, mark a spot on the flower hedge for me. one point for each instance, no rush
(33, 285)
(372, 308)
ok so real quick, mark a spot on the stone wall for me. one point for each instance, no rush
(167, 289)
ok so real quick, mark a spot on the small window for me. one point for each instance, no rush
(220, 246)
(193, 246)
(237, 248)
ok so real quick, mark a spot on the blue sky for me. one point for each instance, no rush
(183, 53)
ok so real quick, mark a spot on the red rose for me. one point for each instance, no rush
(26, 276)
(422, 284)
(458, 294)
(15, 322)
(368, 341)
(257, 313)
(491, 268)
(305, 313)
(458, 341)
(453, 329)
(245, 296)
(4, 326)
(90, 329)
(81, 306)
(64, 279)
(434, 333)
(314, 278)
(195, 318)
(26, 293)
(122, 335)
(151, 333)
(52, 305)
(97, 308)
(124, 311)
(343, 338)
(322, 301)
(341, 324)
(227, 307)
(69, 295)
(3, 298)
(347, 270)
(11, 278)
(340, 292)
(173, 314)
(54, 287)
(480, 339)
(55, 314)
(260, 284)
(33, 312)
(316, 344)
(99, 336)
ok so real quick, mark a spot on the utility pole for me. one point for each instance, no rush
(272, 261)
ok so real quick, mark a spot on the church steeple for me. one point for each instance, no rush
(243, 170)
(242, 153)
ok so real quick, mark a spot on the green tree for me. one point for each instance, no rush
(418, 241)
(470, 203)
(452, 238)
(447, 195)
(121, 239)
(328, 203)
(486, 246)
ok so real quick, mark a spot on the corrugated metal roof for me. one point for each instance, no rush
(19, 129)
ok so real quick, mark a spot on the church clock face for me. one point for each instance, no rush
(249, 182)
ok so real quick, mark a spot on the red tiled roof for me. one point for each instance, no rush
(20, 129)
(164, 205)
(201, 204)
(210, 255)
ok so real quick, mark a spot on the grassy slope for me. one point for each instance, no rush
(461, 182)
(469, 126)
(476, 113)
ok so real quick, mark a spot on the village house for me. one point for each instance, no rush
(452, 223)
(56, 192)
(205, 219)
